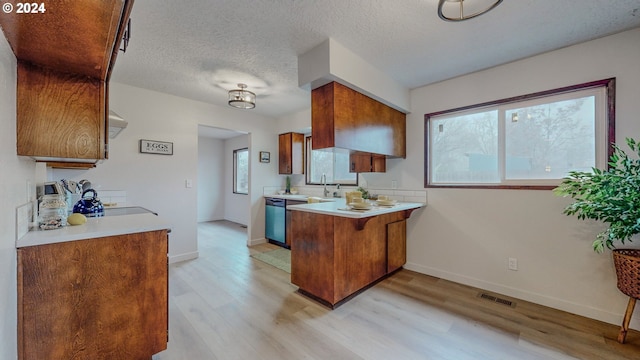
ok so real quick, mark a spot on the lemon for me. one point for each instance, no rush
(76, 219)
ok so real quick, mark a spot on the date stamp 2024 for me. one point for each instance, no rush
(24, 8)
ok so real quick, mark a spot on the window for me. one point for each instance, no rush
(333, 162)
(241, 171)
(529, 141)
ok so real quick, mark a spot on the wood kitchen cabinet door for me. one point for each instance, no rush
(366, 162)
(360, 255)
(312, 254)
(103, 298)
(60, 115)
(291, 153)
(396, 245)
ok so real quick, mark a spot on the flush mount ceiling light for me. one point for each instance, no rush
(489, 4)
(241, 98)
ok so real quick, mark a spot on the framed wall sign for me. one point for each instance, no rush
(156, 147)
(265, 156)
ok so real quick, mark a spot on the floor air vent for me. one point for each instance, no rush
(496, 299)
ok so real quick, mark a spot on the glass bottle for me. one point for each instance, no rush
(52, 212)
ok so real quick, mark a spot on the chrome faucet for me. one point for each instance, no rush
(324, 183)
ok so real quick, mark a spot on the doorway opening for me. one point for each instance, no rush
(217, 170)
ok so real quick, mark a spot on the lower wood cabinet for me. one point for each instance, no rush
(334, 257)
(396, 245)
(103, 298)
(287, 216)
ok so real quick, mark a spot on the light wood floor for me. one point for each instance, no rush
(227, 305)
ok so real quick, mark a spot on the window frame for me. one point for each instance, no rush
(609, 128)
(235, 171)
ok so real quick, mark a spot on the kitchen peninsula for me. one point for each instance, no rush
(336, 252)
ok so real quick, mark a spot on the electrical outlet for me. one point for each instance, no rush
(394, 184)
(188, 183)
(513, 264)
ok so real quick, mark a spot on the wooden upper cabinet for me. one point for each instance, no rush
(291, 153)
(78, 37)
(344, 118)
(60, 115)
(360, 162)
(65, 58)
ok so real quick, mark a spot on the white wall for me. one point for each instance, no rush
(14, 174)
(466, 235)
(211, 169)
(298, 122)
(216, 200)
(158, 181)
(236, 205)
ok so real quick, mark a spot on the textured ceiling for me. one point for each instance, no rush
(200, 49)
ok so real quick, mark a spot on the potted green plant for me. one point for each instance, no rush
(612, 196)
(364, 192)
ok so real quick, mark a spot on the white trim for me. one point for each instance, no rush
(183, 257)
(556, 303)
(253, 242)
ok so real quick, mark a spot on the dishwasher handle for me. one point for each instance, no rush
(275, 202)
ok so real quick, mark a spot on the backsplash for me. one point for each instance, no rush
(406, 195)
(113, 197)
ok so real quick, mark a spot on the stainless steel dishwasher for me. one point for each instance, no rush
(275, 223)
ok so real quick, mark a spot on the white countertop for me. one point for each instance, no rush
(95, 227)
(340, 208)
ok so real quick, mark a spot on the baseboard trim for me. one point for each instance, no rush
(183, 257)
(570, 307)
(237, 221)
(253, 242)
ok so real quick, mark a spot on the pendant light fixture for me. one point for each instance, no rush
(241, 98)
(460, 9)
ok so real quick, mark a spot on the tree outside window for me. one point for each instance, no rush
(333, 162)
(530, 141)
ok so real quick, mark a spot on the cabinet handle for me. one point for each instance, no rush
(353, 166)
